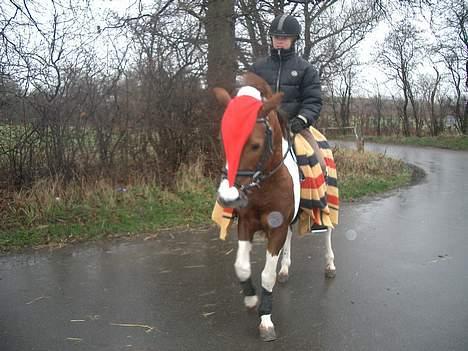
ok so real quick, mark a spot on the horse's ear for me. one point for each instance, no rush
(222, 96)
(271, 103)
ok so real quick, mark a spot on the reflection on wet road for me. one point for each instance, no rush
(402, 282)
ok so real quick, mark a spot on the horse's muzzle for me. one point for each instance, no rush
(241, 202)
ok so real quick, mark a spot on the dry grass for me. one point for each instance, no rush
(191, 177)
(54, 212)
(363, 173)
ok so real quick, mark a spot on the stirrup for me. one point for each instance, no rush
(317, 229)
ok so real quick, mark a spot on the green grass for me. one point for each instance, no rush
(140, 209)
(52, 213)
(446, 142)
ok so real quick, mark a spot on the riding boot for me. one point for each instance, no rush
(307, 134)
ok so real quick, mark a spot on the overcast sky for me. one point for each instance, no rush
(369, 74)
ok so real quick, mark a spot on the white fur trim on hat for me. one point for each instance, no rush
(250, 91)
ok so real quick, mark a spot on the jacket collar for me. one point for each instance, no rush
(285, 54)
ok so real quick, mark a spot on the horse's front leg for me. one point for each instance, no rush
(277, 239)
(283, 274)
(330, 269)
(243, 272)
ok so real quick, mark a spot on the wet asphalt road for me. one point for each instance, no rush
(401, 284)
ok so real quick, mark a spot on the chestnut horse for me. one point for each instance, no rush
(265, 194)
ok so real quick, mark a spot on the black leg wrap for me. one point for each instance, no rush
(266, 303)
(248, 288)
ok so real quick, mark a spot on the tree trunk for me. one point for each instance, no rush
(464, 128)
(406, 126)
(222, 63)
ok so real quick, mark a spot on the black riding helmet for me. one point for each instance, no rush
(285, 26)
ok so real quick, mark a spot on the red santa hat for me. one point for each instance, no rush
(236, 126)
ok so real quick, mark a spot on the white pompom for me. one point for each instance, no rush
(226, 192)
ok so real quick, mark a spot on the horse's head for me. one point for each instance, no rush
(251, 134)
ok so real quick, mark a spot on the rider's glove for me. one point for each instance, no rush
(298, 123)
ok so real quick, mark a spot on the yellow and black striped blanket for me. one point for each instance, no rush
(319, 202)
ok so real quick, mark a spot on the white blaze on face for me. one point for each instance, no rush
(226, 192)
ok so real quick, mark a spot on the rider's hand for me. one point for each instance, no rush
(297, 124)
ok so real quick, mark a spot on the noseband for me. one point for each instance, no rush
(258, 175)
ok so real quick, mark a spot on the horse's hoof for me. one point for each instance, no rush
(283, 278)
(267, 333)
(251, 309)
(330, 273)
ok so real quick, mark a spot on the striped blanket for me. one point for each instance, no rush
(319, 202)
(319, 193)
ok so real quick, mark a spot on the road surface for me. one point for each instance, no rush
(401, 284)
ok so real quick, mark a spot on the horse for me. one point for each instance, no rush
(263, 189)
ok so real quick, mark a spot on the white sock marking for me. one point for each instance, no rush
(329, 255)
(250, 301)
(242, 264)
(269, 272)
(286, 255)
(266, 321)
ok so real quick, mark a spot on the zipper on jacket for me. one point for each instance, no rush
(278, 77)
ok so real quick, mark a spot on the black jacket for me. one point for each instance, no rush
(285, 71)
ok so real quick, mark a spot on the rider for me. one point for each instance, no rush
(284, 70)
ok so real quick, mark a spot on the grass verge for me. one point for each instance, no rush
(52, 213)
(445, 142)
(362, 174)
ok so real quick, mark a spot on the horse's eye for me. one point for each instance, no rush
(255, 147)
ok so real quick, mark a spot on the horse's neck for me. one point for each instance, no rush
(277, 141)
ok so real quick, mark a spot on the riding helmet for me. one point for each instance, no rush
(285, 26)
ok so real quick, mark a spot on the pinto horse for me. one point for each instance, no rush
(262, 185)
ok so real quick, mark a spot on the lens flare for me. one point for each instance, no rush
(275, 219)
(351, 234)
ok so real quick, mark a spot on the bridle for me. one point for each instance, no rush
(258, 175)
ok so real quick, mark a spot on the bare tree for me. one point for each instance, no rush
(449, 22)
(378, 109)
(331, 29)
(429, 88)
(341, 97)
(44, 46)
(400, 55)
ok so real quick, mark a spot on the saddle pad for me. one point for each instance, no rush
(319, 192)
(291, 164)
